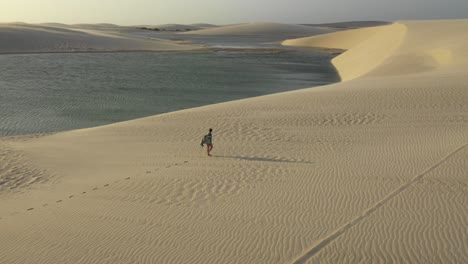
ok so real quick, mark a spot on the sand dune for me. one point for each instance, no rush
(97, 25)
(180, 27)
(53, 24)
(204, 25)
(261, 29)
(26, 38)
(369, 170)
(351, 24)
(370, 47)
(388, 50)
(338, 40)
(174, 27)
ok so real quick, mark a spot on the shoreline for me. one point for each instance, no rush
(197, 49)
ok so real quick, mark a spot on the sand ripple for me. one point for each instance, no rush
(371, 170)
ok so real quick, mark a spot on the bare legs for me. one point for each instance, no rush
(209, 147)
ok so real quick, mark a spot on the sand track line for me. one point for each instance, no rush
(330, 238)
(105, 185)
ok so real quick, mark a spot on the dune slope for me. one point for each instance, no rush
(370, 47)
(26, 38)
(369, 170)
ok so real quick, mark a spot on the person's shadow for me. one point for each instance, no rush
(263, 159)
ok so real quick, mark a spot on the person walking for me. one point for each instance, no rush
(208, 140)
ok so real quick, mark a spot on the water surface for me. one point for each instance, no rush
(55, 92)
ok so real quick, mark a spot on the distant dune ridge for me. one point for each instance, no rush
(372, 169)
(351, 24)
(53, 37)
(203, 25)
(178, 27)
(261, 29)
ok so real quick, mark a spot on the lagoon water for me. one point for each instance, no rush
(43, 93)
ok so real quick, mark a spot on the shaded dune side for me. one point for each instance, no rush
(25, 38)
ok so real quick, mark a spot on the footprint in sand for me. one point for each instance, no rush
(105, 185)
(148, 172)
(59, 201)
(44, 205)
(128, 178)
(168, 166)
(71, 196)
(30, 209)
(95, 188)
(83, 192)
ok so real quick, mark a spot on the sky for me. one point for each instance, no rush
(154, 12)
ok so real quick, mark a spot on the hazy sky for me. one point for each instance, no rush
(131, 12)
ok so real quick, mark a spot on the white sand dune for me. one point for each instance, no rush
(370, 170)
(370, 47)
(27, 38)
(261, 29)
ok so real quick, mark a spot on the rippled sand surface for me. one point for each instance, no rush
(369, 170)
